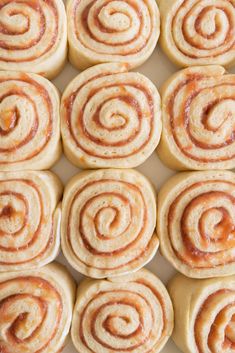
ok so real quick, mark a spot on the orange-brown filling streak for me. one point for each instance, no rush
(192, 93)
(10, 212)
(225, 228)
(127, 99)
(102, 28)
(49, 130)
(11, 333)
(32, 43)
(111, 330)
(213, 333)
(82, 232)
(229, 36)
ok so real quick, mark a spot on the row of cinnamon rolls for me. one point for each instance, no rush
(33, 34)
(108, 219)
(133, 313)
(110, 117)
(129, 313)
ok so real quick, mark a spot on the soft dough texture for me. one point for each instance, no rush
(111, 118)
(29, 122)
(35, 309)
(198, 112)
(33, 36)
(29, 219)
(108, 222)
(196, 220)
(198, 32)
(112, 31)
(132, 313)
(204, 314)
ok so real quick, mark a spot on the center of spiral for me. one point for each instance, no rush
(21, 23)
(8, 121)
(208, 22)
(12, 214)
(122, 320)
(113, 324)
(106, 219)
(113, 17)
(112, 116)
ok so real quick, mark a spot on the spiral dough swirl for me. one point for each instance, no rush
(35, 310)
(29, 236)
(33, 36)
(110, 118)
(112, 31)
(130, 314)
(197, 223)
(199, 32)
(204, 314)
(29, 122)
(199, 120)
(108, 222)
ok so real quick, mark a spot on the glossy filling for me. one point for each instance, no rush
(201, 225)
(214, 324)
(30, 315)
(201, 118)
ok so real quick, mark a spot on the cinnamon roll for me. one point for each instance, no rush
(29, 219)
(198, 32)
(204, 314)
(196, 223)
(33, 36)
(198, 111)
(102, 31)
(111, 118)
(35, 309)
(108, 222)
(127, 314)
(29, 122)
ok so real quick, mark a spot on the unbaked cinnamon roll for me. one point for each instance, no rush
(196, 223)
(33, 36)
(112, 31)
(108, 222)
(198, 111)
(111, 118)
(35, 310)
(128, 314)
(198, 32)
(29, 219)
(204, 314)
(29, 122)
